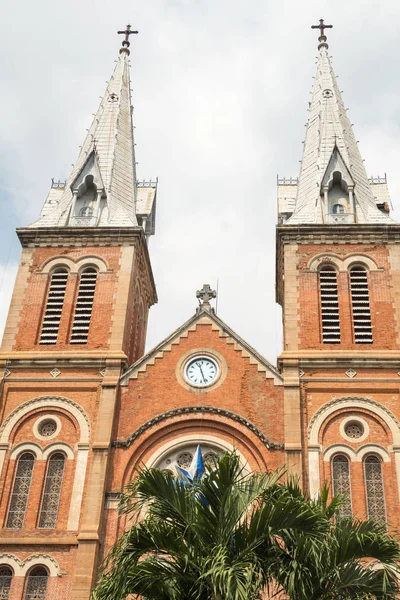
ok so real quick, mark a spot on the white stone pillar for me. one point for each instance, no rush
(313, 470)
(77, 489)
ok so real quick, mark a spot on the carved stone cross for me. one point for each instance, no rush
(205, 295)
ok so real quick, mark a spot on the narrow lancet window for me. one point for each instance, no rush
(328, 288)
(362, 326)
(341, 483)
(52, 491)
(54, 305)
(84, 306)
(20, 492)
(36, 584)
(5, 582)
(374, 489)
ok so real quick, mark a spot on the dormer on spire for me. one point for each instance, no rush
(102, 189)
(333, 186)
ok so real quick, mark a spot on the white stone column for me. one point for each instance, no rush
(313, 470)
(396, 451)
(77, 490)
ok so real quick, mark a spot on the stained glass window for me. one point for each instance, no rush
(20, 493)
(52, 491)
(36, 585)
(5, 582)
(374, 489)
(341, 483)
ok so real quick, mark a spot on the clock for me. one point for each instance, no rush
(201, 371)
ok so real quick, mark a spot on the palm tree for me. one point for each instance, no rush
(230, 535)
(353, 559)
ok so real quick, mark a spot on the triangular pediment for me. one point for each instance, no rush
(336, 164)
(203, 317)
(90, 171)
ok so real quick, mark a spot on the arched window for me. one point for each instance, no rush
(328, 289)
(341, 483)
(338, 209)
(374, 489)
(5, 582)
(86, 211)
(20, 492)
(36, 584)
(54, 305)
(362, 326)
(52, 491)
(84, 306)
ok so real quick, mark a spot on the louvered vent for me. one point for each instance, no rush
(329, 306)
(84, 306)
(360, 304)
(55, 301)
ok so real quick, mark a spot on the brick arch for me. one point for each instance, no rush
(342, 263)
(335, 406)
(74, 266)
(83, 445)
(169, 427)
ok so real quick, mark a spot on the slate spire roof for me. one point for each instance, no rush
(108, 156)
(329, 144)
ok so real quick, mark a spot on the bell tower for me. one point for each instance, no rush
(338, 277)
(77, 320)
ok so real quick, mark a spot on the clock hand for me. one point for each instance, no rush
(201, 370)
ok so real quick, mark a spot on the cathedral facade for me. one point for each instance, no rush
(82, 405)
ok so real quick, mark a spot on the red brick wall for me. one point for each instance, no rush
(29, 326)
(381, 299)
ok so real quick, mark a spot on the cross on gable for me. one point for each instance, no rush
(126, 43)
(205, 295)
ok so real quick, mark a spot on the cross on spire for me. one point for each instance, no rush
(126, 43)
(204, 296)
(322, 37)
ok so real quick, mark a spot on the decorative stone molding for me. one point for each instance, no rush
(39, 422)
(193, 410)
(20, 568)
(48, 402)
(356, 455)
(203, 318)
(351, 373)
(367, 404)
(342, 263)
(72, 265)
(55, 372)
(41, 560)
(42, 453)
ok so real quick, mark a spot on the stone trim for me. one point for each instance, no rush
(356, 455)
(20, 568)
(74, 266)
(192, 410)
(343, 263)
(362, 403)
(48, 402)
(203, 318)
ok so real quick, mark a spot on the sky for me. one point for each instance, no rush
(220, 90)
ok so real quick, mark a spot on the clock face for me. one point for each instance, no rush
(201, 371)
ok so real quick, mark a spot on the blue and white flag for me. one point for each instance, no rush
(196, 469)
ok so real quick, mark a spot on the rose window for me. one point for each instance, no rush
(354, 429)
(47, 428)
(184, 459)
(183, 456)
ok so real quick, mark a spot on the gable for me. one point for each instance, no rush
(216, 327)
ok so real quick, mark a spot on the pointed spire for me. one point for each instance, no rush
(101, 189)
(331, 158)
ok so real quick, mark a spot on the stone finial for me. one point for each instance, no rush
(204, 296)
(126, 43)
(322, 37)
